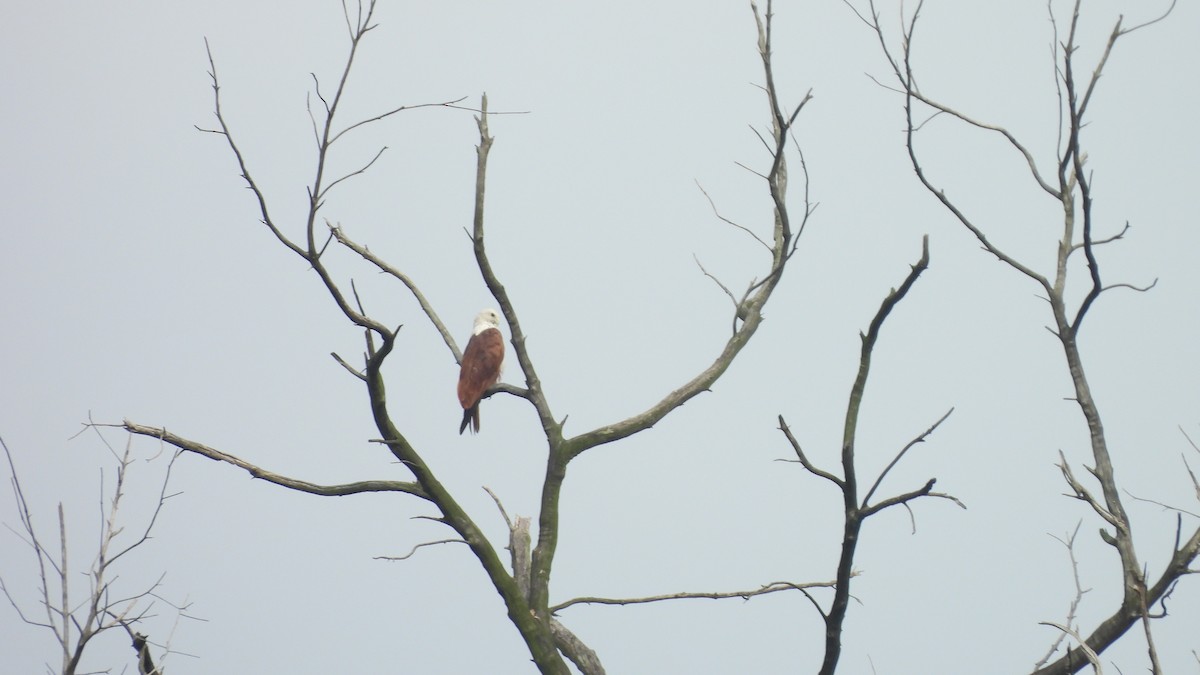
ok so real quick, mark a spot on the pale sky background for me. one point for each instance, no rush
(140, 285)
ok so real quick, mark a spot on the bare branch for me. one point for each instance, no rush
(408, 555)
(500, 506)
(919, 439)
(756, 173)
(1151, 649)
(1166, 507)
(1151, 22)
(1195, 483)
(909, 89)
(900, 499)
(311, 117)
(1087, 651)
(715, 281)
(727, 221)
(353, 371)
(443, 104)
(1106, 240)
(809, 206)
(1008, 136)
(1081, 493)
(237, 153)
(1072, 610)
(40, 552)
(787, 432)
(948, 497)
(360, 171)
(162, 500)
(902, 70)
(1139, 289)
(257, 472)
(773, 587)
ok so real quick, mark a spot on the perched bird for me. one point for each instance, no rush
(481, 363)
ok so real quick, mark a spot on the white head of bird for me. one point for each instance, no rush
(488, 318)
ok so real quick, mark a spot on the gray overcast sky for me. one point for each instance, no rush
(140, 285)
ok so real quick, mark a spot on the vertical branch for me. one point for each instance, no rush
(362, 25)
(855, 513)
(551, 428)
(1134, 584)
(1151, 650)
(64, 609)
(543, 553)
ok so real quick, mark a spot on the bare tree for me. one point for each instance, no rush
(524, 584)
(1069, 183)
(78, 617)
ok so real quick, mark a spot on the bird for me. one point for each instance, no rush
(482, 361)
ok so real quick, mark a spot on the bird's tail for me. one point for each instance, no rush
(470, 417)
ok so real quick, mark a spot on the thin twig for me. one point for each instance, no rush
(408, 555)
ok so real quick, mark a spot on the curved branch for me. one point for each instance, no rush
(812, 468)
(416, 547)
(1084, 649)
(237, 153)
(694, 387)
(357, 172)
(271, 477)
(443, 104)
(909, 89)
(727, 221)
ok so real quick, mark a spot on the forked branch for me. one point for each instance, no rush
(855, 512)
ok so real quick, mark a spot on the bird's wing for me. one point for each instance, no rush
(480, 366)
